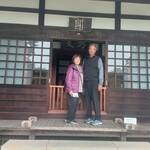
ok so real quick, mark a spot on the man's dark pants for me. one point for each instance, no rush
(92, 98)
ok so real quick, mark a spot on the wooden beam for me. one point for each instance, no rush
(139, 17)
(137, 1)
(16, 31)
(41, 12)
(19, 9)
(75, 13)
(117, 14)
(131, 1)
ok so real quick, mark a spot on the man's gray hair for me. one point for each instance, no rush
(93, 44)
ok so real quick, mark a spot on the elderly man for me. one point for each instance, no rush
(93, 81)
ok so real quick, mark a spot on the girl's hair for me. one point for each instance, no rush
(75, 56)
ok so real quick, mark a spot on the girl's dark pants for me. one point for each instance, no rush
(72, 107)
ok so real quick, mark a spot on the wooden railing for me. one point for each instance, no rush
(58, 100)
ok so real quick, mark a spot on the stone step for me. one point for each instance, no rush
(73, 145)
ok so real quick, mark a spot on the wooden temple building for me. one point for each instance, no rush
(39, 37)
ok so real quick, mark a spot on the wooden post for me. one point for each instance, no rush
(123, 136)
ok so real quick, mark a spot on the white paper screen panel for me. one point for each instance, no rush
(82, 6)
(63, 21)
(103, 23)
(135, 9)
(134, 24)
(18, 17)
(20, 3)
(56, 20)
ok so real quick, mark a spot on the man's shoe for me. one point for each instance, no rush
(89, 121)
(96, 123)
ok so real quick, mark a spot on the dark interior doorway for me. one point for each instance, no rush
(63, 50)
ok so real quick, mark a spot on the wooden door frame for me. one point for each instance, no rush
(104, 53)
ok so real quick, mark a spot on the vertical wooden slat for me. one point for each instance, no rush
(57, 98)
(101, 99)
(50, 98)
(79, 108)
(53, 98)
(105, 99)
(81, 104)
(61, 98)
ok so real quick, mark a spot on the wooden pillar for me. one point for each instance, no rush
(41, 13)
(117, 14)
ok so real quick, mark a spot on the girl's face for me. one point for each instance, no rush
(77, 60)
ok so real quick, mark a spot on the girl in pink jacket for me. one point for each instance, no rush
(74, 86)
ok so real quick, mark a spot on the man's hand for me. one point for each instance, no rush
(100, 87)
